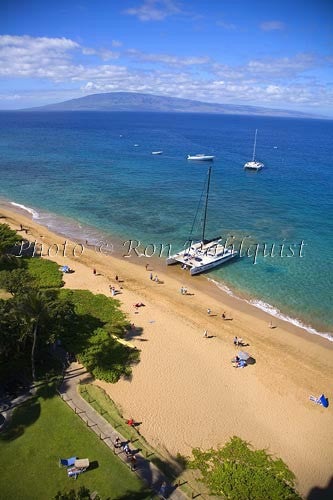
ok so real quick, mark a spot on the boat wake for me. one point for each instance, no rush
(273, 311)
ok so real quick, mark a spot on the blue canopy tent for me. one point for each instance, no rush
(67, 462)
(323, 401)
(64, 269)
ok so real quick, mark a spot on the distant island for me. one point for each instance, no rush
(133, 101)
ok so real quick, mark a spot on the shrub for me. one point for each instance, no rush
(236, 472)
(45, 272)
(90, 337)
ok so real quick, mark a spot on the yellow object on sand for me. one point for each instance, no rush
(124, 342)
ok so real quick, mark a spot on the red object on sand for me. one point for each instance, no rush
(130, 422)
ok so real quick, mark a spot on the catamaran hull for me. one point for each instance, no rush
(211, 265)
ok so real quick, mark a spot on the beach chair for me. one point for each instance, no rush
(67, 462)
(80, 466)
(321, 400)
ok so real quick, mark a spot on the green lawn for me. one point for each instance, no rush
(45, 429)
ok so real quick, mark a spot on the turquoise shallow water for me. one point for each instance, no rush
(77, 165)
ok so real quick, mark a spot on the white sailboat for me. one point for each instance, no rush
(205, 254)
(254, 165)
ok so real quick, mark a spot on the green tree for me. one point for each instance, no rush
(44, 317)
(8, 239)
(16, 281)
(10, 328)
(236, 472)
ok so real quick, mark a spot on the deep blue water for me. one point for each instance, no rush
(77, 165)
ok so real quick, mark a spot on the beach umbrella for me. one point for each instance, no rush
(244, 355)
(64, 269)
(323, 401)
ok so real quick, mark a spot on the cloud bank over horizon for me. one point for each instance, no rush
(37, 70)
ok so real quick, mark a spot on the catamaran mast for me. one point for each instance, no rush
(254, 146)
(206, 204)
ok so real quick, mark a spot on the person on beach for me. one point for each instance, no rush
(126, 449)
(235, 341)
(270, 325)
(223, 316)
(205, 334)
(117, 443)
(208, 311)
(146, 267)
(151, 276)
(94, 272)
(156, 278)
(116, 277)
(130, 422)
(240, 341)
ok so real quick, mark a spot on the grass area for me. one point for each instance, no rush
(45, 272)
(103, 404)
(98, 306)
(45, 429)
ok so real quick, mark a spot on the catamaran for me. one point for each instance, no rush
(205, 254)
(200, 157)
(254, 165)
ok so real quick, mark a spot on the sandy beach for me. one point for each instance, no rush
(184, 390)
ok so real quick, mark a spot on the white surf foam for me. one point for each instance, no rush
(273, 311)
(34, 213)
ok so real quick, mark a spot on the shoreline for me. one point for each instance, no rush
(239, 299)
(184, 389)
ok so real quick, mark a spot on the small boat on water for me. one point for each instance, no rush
(205, 254)
(156, 152)
(200, 157)
(254, 165)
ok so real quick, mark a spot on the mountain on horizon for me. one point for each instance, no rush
(133, 101)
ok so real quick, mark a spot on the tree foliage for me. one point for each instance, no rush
(8, 238)
(236, 472)
(16, 281)
(91, 337)
(81, 494)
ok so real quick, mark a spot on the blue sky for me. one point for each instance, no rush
(277, 55)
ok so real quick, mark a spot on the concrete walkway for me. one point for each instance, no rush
(146, 470)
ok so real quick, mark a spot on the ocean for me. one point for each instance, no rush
(88, 174)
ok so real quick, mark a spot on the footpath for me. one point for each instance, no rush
(147, 471)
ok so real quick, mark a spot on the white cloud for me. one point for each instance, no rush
(166, 58)
(154, 10)
(116, 43)
(272, 26)
(226, 26)
(267, 81)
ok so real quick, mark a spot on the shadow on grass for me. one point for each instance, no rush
(135, 495)
(24, 416)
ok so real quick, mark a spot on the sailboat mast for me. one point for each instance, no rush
(255, 143)
(206, 204)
